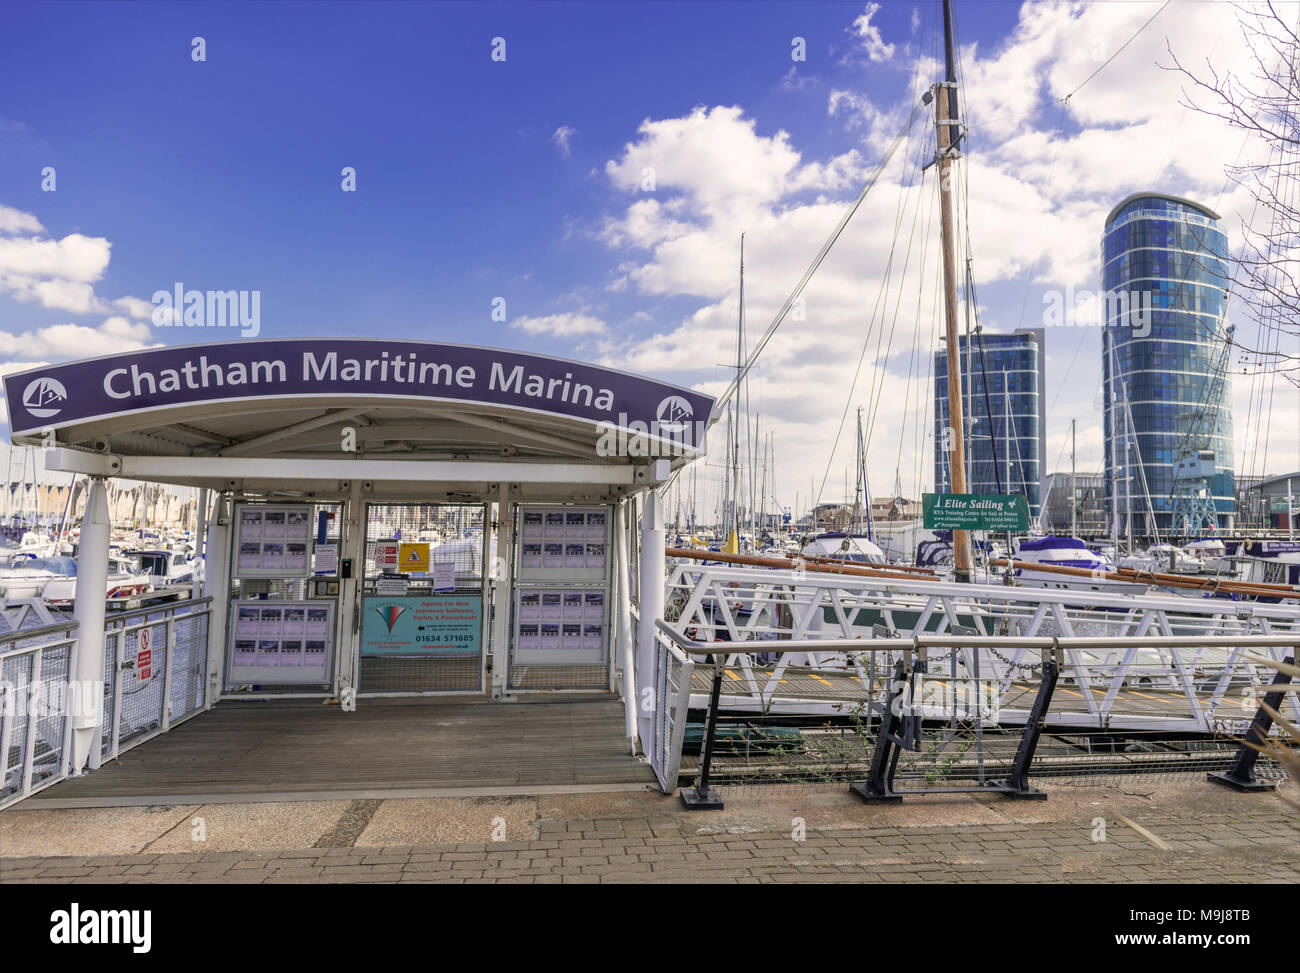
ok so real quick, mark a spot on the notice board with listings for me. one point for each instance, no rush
(281, 642)
(272, 541)
(561, 600)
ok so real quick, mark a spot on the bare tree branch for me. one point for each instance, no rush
(1264, 104)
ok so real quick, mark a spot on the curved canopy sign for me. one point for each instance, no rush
(155, 379)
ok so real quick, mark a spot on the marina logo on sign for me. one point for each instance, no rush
(669, 434)
(43, 397)
(674, 414)
(390, 614)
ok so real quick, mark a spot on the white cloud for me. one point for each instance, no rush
(858, 108)
(567, 325)
(16, 221)
(1041, 181)
(59, 274)
(869, 35)
(792, 80)
(561, 137)
(60, 341)
(75, 257)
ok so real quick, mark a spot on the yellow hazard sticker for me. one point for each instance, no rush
(414, 558)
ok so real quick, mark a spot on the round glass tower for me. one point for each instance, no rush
(1168, 421)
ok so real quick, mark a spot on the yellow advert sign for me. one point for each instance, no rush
(414, 558)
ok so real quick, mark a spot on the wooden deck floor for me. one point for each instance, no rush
(247, 747)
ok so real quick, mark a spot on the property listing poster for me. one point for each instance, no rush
(570, 542)
(281, 642)
(273, 541)
(561, 620)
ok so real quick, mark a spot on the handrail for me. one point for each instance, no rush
(988, 594)
(1135, 576)
(162, 607)
(917, 642)
(59, 627)
(71, 624)
(818, 565)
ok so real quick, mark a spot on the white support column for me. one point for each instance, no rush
(627, 651)
(349, 609)
(200, 534)
(652, 602)
(1290, 510)
(503, 583)
(216, 585)
(88, 610)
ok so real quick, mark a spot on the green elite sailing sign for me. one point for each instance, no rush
(975, 511)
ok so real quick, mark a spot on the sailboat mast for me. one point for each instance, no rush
(735, 426)
(1074, 488)
(946, 123)
(857, 493)
(1006, 426)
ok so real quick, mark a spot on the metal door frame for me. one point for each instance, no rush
(359, 574)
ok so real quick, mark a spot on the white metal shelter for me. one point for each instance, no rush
(317, 459)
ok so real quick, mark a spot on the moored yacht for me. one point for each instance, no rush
(1162, 558)
(125, 578)
(841, 546)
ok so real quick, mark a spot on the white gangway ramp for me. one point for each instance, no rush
(1192, 655)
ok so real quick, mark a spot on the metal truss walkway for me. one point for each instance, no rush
(1149, 663)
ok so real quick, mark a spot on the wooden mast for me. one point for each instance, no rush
(946, 125)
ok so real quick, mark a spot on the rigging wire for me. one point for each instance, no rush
(906, 188)
(903, 133)
(1075, 90)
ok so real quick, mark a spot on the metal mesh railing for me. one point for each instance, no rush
(16, 673)
(672, 692)
(189, 672)
(768, 750)
(140, 688)
(155, 672)
(930, 727)
(36, 704)
(108, 706)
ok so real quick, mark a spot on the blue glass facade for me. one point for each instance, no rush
(1167, 362)
(1012, 364)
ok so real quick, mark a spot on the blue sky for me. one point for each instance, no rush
(227, 173)
(479, 179)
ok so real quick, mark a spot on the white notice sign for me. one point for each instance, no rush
(327, 559)
(444, 576)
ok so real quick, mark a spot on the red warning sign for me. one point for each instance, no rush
(143, 656)
(386, 556)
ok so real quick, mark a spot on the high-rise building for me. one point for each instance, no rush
(1168, 421)
(1085, 493)
(1003, 398)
